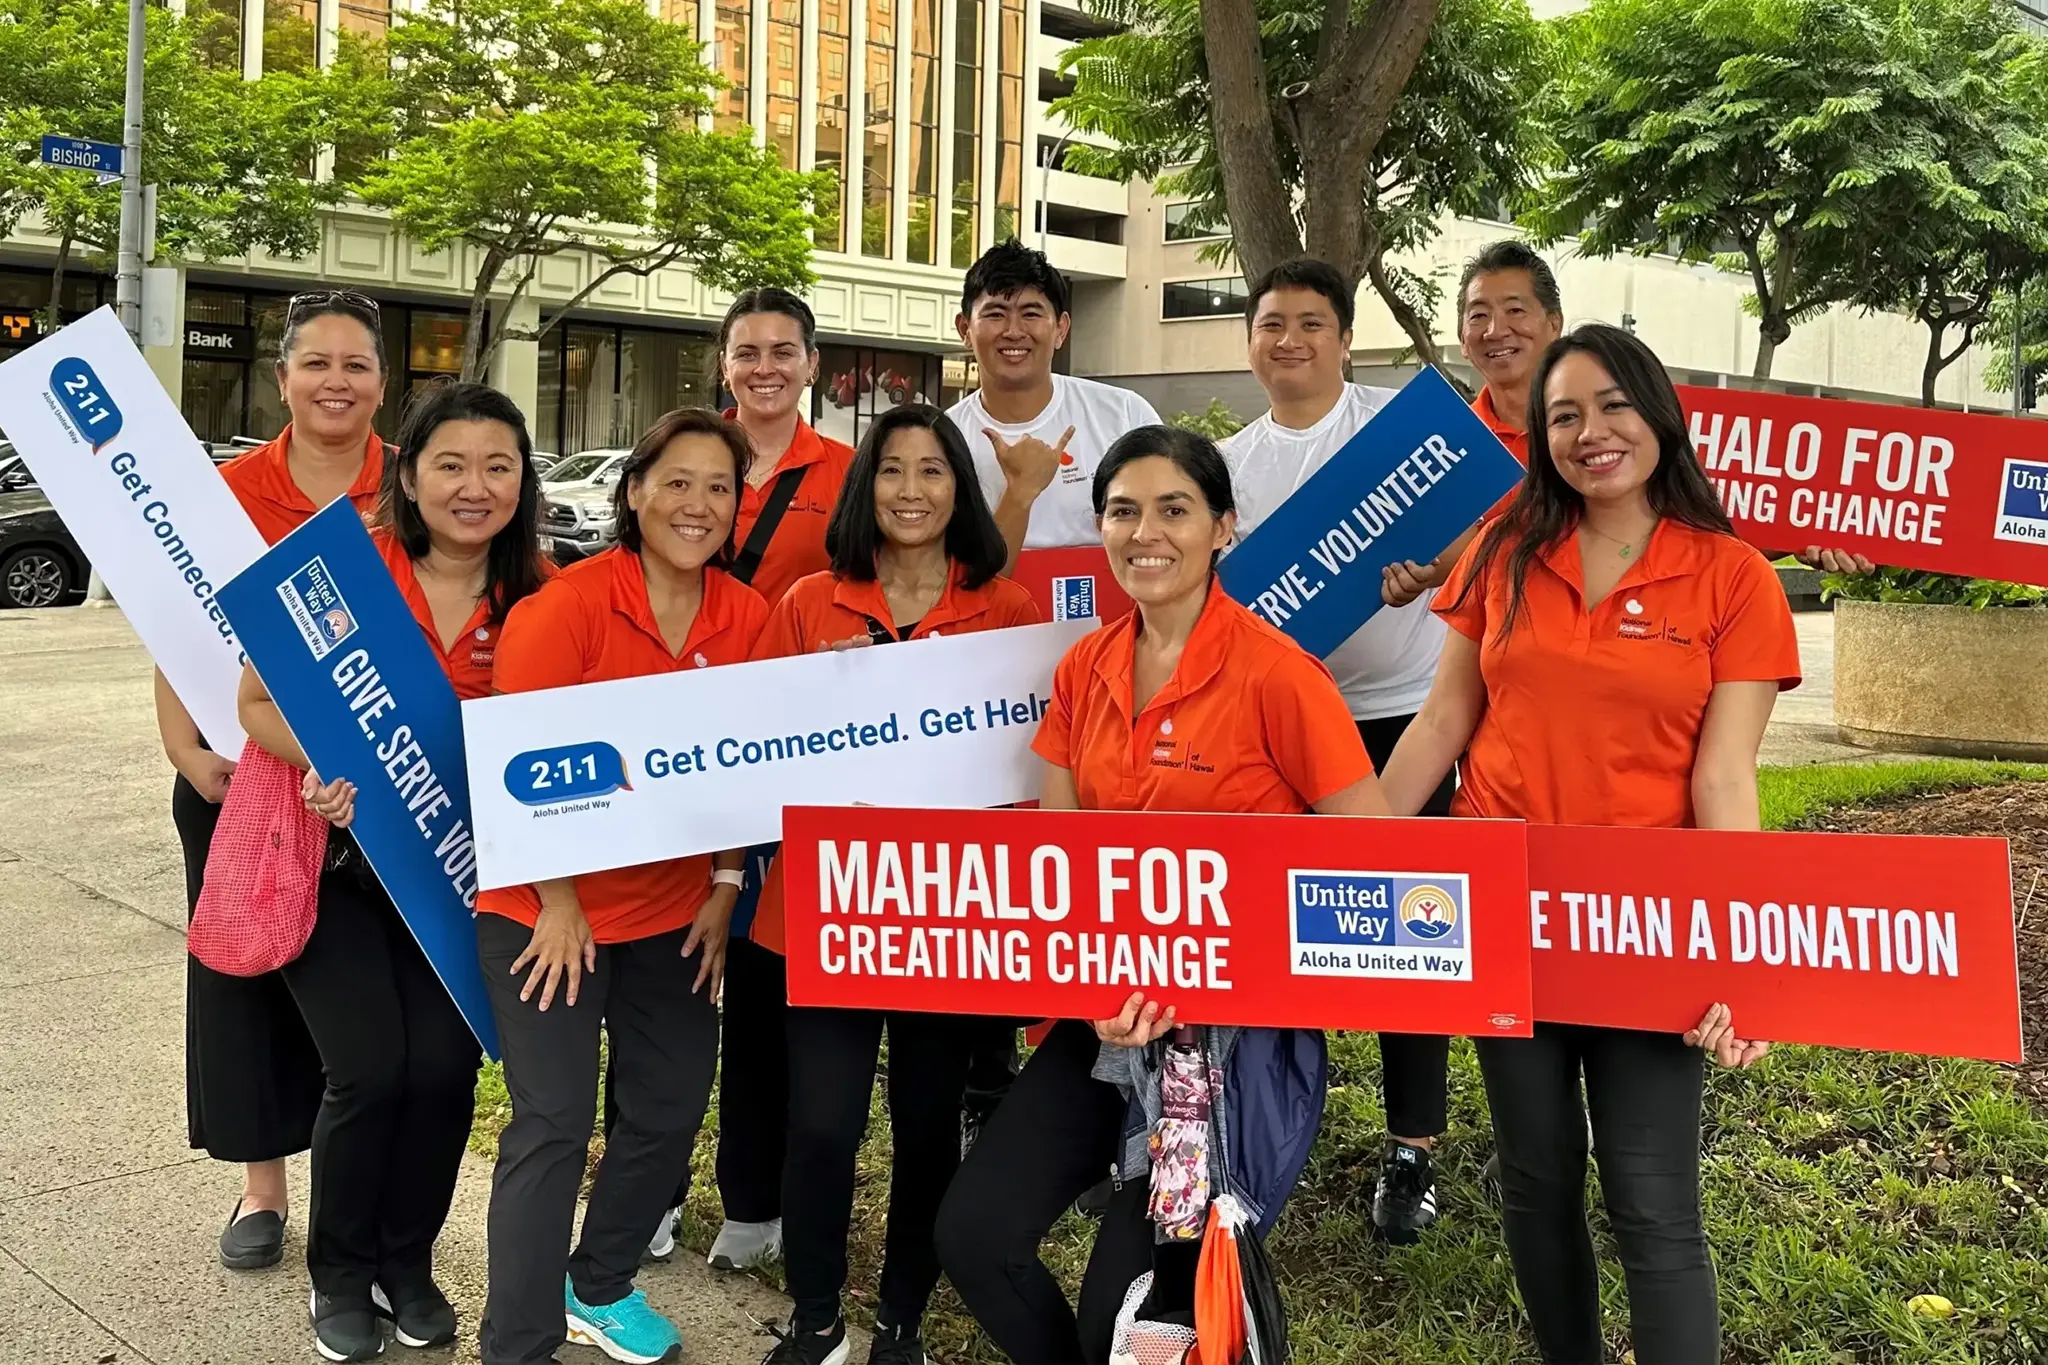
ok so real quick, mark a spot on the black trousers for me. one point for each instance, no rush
(991, 1064)
(1056, 1135)
(753, 1083)
(401, 1089)
(1414, 1067)
(1642, 1091)
(252, 1075)
(664, 1046)
(832, 1058)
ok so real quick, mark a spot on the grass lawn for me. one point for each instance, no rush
(1838, 1186)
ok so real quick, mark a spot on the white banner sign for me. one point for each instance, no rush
(139, 495)
(613, 774)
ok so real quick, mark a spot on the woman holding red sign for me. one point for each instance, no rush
(916, 554)
(1187, 671)
(1614, 656)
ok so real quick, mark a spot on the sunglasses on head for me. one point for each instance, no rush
(301, 304)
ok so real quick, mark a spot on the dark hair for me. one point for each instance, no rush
(512, 570)
(1008, 268)
(1513, 255)
(770, 299)
(1193, 454)
(853, 538)
(1304, 272)
(681, 422)
(304, 308)
(1546, 508)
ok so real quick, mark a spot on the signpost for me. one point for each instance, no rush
(103, 159)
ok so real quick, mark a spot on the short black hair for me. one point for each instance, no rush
(853, 537)
(770, 299)
(681, 422)
(1510, 254)
(512, 569)
(1194, 454)
(1008, 268)
(1304, 272)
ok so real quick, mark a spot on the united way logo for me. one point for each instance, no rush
(1391, 925)
(2023, 503)
(316, 607)
(1429, 913)
(1073, 599)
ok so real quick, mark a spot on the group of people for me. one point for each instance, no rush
(1496, 682)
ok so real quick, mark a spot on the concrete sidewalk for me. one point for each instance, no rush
(107, 1218)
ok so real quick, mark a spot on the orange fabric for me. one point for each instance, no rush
(798, 547)
(1248, 722)
(262, 482)
(593, 623)
(1593, 717)
(468, 662)
(1221, 1330)
(821, 610)
(1516, 441)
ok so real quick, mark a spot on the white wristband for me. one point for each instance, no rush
(727, 876)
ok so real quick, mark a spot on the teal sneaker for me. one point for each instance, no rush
(629, 1330)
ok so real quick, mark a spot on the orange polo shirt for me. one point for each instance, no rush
(592, 622)
(1517, 442)
(1593, 715)
(820, 611)
(797, 548)
(1248, 723)
(469, 660)
(262, 482)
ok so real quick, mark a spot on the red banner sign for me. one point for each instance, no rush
(1891, 942)
(1920, 488)
(1412, 926)
(1072, 582)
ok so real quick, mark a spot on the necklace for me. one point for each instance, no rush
(1628, 549)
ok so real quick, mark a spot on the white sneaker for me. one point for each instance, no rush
(663, 1244)
(741, 1246)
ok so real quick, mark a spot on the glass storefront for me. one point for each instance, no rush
(857, 384)
(601, 386)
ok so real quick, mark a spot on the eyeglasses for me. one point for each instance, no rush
(300, 304)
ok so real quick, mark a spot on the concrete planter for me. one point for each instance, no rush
(1942, 680)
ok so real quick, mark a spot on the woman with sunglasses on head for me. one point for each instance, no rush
(1189, 703)
(916, 554)
(635, 953)
(252, 1074)
(456, 524)
(1614, 655)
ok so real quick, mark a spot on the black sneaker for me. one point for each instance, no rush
(795, 1346)
(252, 1243)
(421, 1318)
(1094, 1201)
(346, 1328)
(1404, 1200)
(895, 1346)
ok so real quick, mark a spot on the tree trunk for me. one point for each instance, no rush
(1772, 328)
(1410, 321)
(1931, 368)
(1260, 205)
(55, 313)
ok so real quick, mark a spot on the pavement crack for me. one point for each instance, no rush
(90, 976)
(102, 1180)
(136, 1351)
(11, 855)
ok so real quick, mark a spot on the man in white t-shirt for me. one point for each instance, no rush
(1298, 318)
(1036, 436)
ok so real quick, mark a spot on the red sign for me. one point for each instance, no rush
(1059, 579)
(1412, 926)
(1919, 488)
(1890, 942)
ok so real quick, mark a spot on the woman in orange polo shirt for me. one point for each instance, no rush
(1614, 656)
(1187, 672)
(252, 1074)
(916, 554)
(637, 952)
(457, 523)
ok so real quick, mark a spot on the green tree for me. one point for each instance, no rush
(1457, 140)
(527, 128)
(2031, 300)
(1215, 421)
(1771, 137)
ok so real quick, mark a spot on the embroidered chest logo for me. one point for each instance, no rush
(481, 654)
(1166, 752)
(1637, 624)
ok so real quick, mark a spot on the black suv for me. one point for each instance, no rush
(40, 564)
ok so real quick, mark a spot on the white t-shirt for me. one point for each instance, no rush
(1099, 413)
(1386, 667)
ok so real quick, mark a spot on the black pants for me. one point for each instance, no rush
(991, 1064)
(401, 1090)
(753, 1083)
(252, 1074)
(832, 1056)
(1057, 1134)
(1643, 1093)
(664, 1046)
(1414, 1067)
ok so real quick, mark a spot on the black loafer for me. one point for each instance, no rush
(252, 1243)
(421, 1317)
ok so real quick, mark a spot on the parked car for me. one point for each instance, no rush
(40, 564)
(544, 460)
(220, 452)
(591, 469)
(577, 522)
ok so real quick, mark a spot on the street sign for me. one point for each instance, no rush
(83, 154)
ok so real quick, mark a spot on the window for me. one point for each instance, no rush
(786, 31)
(1009, 118)
(832, 121)
(217, 26)
(922, 244)
(966, 133)
(369, 19)
(291, 35)
(1178, 229)
(601, 387)
(1218, 298)
(732, 24)
(856, 385)
(878, 146)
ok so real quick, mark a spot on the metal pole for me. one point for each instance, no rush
(128, 279)
(1045, 186)
(2019, 317)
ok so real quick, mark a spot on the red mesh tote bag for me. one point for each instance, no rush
(262, 884)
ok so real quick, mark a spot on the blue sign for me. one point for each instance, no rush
(1073, 599)
(347, 664)
(1408, 484)
(2023, 502)
(81, 154)
(569, 772)
(84, 399)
